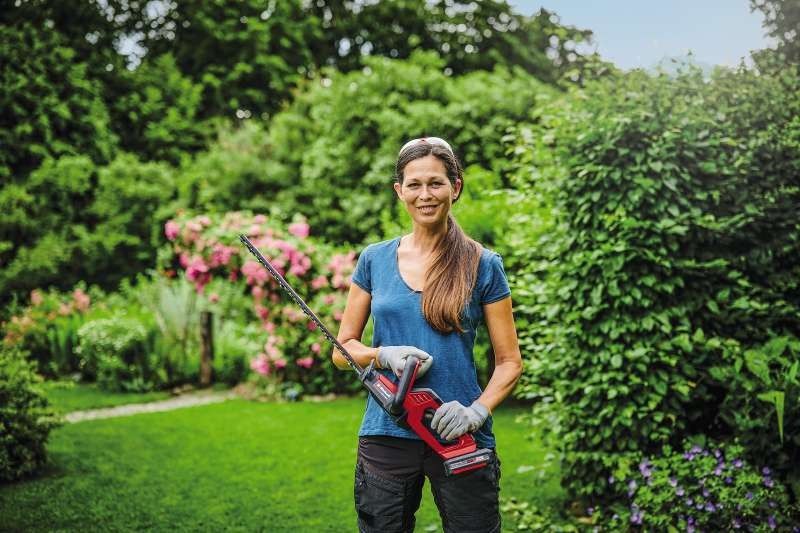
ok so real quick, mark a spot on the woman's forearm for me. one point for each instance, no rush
(362, 354)
(502, 382)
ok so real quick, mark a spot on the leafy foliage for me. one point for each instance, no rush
(72, 220)
(468, 35)
(674, 245)
(113, 351)
(338, 141)
(25, 416)
(50, 106)
(782, 22)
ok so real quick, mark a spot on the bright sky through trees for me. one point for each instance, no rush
(640, 33)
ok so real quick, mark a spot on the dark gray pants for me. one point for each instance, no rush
(390, 474)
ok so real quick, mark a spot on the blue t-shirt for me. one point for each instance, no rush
(398, 321)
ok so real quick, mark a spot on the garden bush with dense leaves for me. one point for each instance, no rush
(330, 155)
(668, 261)
(206, 250)
(25, 418)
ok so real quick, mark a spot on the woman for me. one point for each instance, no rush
(427, 292)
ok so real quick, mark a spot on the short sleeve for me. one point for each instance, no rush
(362, 275)
(492, 281)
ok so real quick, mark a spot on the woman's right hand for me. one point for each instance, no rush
(394, 357)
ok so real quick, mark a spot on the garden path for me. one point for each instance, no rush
(184, 400)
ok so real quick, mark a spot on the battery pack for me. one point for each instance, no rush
(468, 461)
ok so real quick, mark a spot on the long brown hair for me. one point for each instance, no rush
(452, 274)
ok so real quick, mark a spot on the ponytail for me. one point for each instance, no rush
(450, 279)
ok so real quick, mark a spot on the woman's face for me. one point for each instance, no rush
(426, 191)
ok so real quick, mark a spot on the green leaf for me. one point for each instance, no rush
(776, 398)
(758, 365)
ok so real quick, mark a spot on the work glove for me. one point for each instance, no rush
(452, 419)
(394, 357)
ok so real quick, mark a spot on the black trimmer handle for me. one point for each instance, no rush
(407, 379)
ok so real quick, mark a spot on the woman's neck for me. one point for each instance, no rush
(424, 240)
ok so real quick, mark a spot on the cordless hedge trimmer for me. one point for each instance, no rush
(409, 407)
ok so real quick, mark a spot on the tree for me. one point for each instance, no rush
(468, 35)
(247, 56)
(782, 22)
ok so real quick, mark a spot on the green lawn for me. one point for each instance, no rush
(67, 396)
(234, 466)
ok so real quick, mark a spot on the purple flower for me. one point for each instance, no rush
(717, 454)
(718, 470)
(766, 471)
(644, 469)
(706, 493)
(673, 481)
(768, 482)
(699, 506)
(590, 511)
(610, 480)
(688, 456)
(749, 495)
(632, 487)
(737, 524)
(710, 507)
(636, 517)
(737, 463)
(679, 491)
(689, 502)
(696, 449)
(728, 480)
(771, 522)
(689, 528)
(772, 504)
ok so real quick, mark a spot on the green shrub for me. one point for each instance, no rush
(114, 352)
(25, 417)
(702, 488)
(671, 233)
(330, 155)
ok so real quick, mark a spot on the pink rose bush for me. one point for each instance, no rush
(207, 249)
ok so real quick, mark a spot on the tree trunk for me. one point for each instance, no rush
(206, 347)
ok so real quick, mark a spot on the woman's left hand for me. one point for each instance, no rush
(453, 419)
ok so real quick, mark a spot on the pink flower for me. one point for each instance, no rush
(36, 297)
(299, 229)
(316, 347)
(260, 365)
(269, 327)
(64, 309)
(259, 219)
(184, 259)
(337, 315)
(233, 276)
(258, 293)
(213, 297)
(204, 220)
(280, 363)
(221, 255)
(305, 362)
(81, 300)
(312, 326)
(319, 282)
(329, 299)
(255, 273)
(171, 229)
(262, 312)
